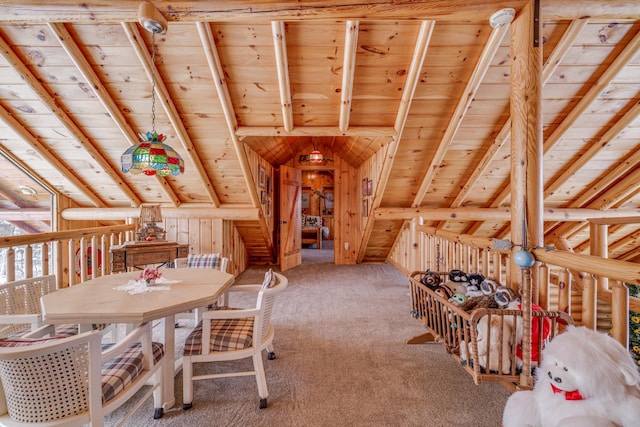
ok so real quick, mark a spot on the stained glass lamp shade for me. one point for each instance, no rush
(151, 157)
(315, 157)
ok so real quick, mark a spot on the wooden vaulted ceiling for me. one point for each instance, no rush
(429, 78)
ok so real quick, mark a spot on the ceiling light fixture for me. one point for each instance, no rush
(26, 190)
(502, 17)
(152, 156)
(315, 156)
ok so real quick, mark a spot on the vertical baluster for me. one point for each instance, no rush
(71, 264)
(620, 312)
(564, 292)
(82, 259)
(11, 264)
(96, 257)
(28, 262)
(543, 289)
(44, 260)
(589, 303)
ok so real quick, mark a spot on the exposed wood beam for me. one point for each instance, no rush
(562, 47)
(231, 213)
(500, 214)
(348, 72)
(483, 64)
(417, 61)
(240, 10)
(215, 66)
(27, 170)
(26, 214)
(625, 166)
(59, 112)
(594, 92)
(612, 221)
(69, 45)
(19, 11)
(282, 66)
(209, 45)
(628, 185)
(139, 46)
(243, 131)
(48, 155)
(630, 255)
(605, 140)
(554, 60)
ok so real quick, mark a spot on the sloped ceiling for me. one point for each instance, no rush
(430, 76)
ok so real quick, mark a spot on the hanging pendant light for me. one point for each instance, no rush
(315, 156)
(151, 155)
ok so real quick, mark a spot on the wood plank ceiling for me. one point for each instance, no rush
(430, 77)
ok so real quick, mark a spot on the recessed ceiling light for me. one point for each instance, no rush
(27, 190)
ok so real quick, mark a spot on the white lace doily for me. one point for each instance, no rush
(140, 286)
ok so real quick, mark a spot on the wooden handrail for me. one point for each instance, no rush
(27, 239)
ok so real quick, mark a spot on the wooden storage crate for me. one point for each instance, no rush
(457, 331)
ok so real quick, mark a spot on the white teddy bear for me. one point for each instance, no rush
(586, 379)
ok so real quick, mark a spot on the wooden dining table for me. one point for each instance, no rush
(99, 301)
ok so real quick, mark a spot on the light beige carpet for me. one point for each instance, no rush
(342, 360)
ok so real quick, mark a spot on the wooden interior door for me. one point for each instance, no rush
(290, 217)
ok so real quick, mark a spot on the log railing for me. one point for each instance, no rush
(70, 255)
(596, 280)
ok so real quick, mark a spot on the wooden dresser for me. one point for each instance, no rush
(139, 254)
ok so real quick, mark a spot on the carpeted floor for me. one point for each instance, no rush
(342, 360)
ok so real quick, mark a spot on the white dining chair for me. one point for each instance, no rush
(213, 260)
(72, 381)
(232, 334)
(20, 310)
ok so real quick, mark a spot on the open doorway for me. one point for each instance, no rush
(317, 209)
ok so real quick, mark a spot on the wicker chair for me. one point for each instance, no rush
(81, 383)
(20, 310)
(234, 334)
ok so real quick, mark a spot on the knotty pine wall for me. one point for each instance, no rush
(347, 226)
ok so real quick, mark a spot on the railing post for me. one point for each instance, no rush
(71, 262)
(620, 312)
(543, 288)
(28, 262)
(564, 291)
(11, 265)
(45, 258)
(589, 304)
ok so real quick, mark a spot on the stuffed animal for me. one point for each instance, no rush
(586, 378)
(431, 279)
(505, 295)
(484, 301)
(457, 282)
(458, 299)
(458, 276)
(473, 285)
(491, 343)
(535, 336)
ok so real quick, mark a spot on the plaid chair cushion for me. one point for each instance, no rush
(25, 342)
(61, 331)
(226, 335)
(204, 261)
(118, 373)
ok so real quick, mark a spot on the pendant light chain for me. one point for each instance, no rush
(153, 82)
(151, 156)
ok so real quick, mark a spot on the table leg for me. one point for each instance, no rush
(169, 367)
